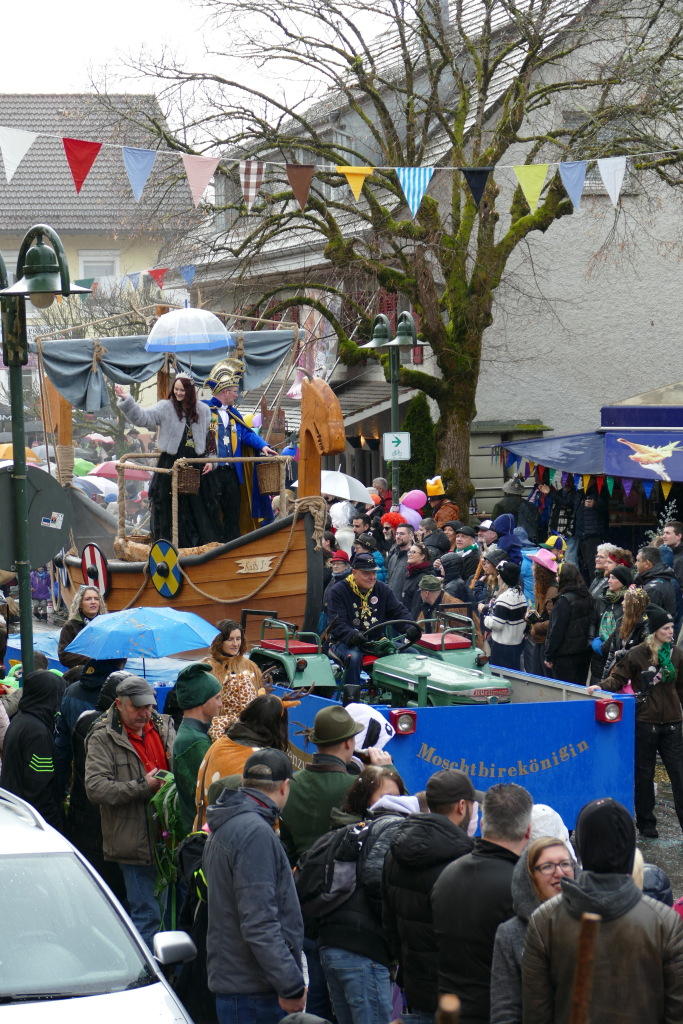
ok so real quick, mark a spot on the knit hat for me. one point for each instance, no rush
(606, 837)
(333, 725)
(466, 531)
(621, 573)
(196, 684)
(430, 583)
(108, 692)
(455, 525)
(545, 558)
(509, 573)
(657, 617)
(494, 555)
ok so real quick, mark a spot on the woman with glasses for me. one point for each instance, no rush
(419, 563)
(537, 877)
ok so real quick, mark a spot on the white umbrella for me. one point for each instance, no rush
(341, 485)
(188, 330)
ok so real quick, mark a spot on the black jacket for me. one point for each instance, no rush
(343, 610)
(459, 567)
(28, 759)
(469, 900)
(421, 848)
(410, 596)
(570, 625)
(437, 544)
(397, 568)
(84, 828)
(657, 582)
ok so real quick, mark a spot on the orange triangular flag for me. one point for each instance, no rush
(666, 487)
(300, 177)
(159, 275)
(199, 170)
(80, 157)
(355, 177)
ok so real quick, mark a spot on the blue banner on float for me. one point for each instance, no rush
(646, 456)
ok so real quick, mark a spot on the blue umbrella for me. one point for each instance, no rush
(142, 633)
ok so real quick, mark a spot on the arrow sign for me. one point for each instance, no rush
(396, 446)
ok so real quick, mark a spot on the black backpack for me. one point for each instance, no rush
(326, 876)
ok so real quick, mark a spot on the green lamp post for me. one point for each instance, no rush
(42, 272)
(406, 337)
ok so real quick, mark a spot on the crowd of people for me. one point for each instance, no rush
(332, 891)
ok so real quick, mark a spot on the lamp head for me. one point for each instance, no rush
(380, 333)
(42, 276)
(406, 335)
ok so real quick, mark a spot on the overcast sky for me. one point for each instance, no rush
(48, 46)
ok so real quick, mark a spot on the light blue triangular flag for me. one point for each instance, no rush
(647, 487)
(134, 279)
(573, 174)
(139, 164)
(187, 273)
(414, 182)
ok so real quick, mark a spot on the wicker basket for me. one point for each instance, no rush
(188, 479)
(268, 477)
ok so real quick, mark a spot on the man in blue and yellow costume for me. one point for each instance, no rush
(242, 506)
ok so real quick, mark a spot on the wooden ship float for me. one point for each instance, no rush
(275, 569)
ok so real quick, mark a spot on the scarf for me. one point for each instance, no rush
(365, 613)
(669, 673)
(418, 567)
(465, 551)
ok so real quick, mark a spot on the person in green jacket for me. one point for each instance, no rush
(198, 693)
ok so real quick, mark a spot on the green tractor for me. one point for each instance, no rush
(440, 669)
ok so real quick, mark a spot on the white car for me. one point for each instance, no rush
(68, 950)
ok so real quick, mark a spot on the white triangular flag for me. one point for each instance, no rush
(612, 170)
(14, 145)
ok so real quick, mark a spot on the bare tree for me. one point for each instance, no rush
(470, 83)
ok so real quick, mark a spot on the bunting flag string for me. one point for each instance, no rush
(14, 145)
(531, 178)
(477, 179)
(134, 279)
(252, 173)
(610, 485)
(647, 487)
(355, 177)
(414, 182)
(612, 171)
(666, 487)
(158, 275)
(300, 177)
(573, 175)
(187, 273)
(200, 170)
(626, 485)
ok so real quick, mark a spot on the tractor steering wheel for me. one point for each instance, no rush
(390, 622)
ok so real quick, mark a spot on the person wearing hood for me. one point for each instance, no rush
(513, 491)
(83, 824)
(638, 956)
(656, 579)
(567, 646)
(420, 849)
(504, 528)
(655, 672)
(81, 695)
(433, 538)
(255, 931)
(535, 879)
(28, 762)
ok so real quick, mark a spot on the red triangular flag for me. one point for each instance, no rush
(80, 157)
(600, 481)
(159, 275)
(300, 177)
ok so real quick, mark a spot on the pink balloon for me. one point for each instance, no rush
(257, 420)
(415, 499)
(410, 515)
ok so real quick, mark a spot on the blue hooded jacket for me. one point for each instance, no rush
(507, 540)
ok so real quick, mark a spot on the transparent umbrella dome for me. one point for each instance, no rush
(188, 330)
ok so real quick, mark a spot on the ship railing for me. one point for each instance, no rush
(132, 460)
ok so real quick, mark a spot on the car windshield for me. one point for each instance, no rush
(59, 933)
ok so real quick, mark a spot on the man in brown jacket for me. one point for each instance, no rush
(638, 959)
(655, 671)
(124, 751)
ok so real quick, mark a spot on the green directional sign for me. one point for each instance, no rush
(396, 445)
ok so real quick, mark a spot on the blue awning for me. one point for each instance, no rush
(574, 453)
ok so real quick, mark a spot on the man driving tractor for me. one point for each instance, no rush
(358, 604)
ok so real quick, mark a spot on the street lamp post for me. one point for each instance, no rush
(406, 337)
(44, 272)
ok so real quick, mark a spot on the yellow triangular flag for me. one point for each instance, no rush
(666, 487)
(532, 466)
(531, 178)
(355, 177)
(586, 480)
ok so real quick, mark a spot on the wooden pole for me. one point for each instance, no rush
(583, 974)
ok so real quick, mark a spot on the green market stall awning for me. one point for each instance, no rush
(78, 367)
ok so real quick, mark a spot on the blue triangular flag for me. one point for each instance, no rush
(139, 164)
(510, 459)
(578, 482)
(573, 174)
(187, 273)
(647, 487)
(134, 279)
(414, 182)
(476, 178)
